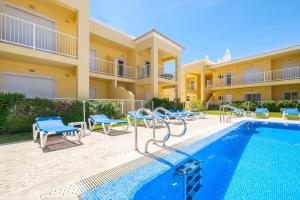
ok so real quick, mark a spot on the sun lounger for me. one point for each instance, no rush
(53, 126)
(262, 111)
(290, 111)
(105, 122)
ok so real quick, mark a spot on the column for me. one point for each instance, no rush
(154, 68)
(202, 93)
(178, 78)
(83, 42)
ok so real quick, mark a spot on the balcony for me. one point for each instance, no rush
(168, 76)
(24, 33)
(101, 66)
(255, 78)
(144, 72)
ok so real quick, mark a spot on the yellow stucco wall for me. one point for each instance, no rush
(101, 87)
(65, 78)
(65, 20)
(278, 91)
(239, 94)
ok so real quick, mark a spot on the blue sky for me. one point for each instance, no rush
(208, 27)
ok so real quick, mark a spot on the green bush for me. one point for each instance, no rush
(165, 103)
(17, 113)
(108, 108)
(196, 105)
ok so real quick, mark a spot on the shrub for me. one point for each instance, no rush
(17, 113)
(165, 103)
(196, 105)
(108, 108)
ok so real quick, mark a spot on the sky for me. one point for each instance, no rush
(208, 27)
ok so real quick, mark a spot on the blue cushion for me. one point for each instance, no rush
(140, 116)
(261, 110)
(53, 124)
(291, 111)
(103, 119)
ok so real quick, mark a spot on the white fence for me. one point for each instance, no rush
(24, 33)
(261, 77)
(98, 65)
(124, 105)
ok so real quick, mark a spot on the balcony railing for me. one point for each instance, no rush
(126, 71)
(168, 76)
(24, 33)
(143, 72)
(101, 66)
(262, 77)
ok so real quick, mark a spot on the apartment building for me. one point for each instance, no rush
(52, 49)
(273, 75)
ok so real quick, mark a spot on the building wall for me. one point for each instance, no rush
(65, 78)
(65, 20)
(239, 94)
(278, 91)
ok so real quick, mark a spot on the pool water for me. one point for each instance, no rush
(251, 160)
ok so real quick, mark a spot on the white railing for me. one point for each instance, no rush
(126, 71)
(143, 72)
(24, 33)
(101, 66)
(261, 77)
(124, 105)
(168, 76)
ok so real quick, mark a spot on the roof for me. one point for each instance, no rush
(260, 55)
(160, 34)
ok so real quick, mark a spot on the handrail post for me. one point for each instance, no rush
(33, 37)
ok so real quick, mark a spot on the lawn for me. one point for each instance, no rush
(216, 112)
(15, 137)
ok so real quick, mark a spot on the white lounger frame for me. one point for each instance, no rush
(106, 127)
(44, 136)
(147, 123)
(266, 114)
(284, 115)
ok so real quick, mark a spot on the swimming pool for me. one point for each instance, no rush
(250, 160)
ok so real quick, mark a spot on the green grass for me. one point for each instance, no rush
(16, 137)
(272, 114)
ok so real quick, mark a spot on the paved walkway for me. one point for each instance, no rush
(26, 171)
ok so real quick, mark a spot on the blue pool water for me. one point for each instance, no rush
(250, 160)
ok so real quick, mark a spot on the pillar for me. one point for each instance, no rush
(154, 68)
(202, 91)
(83, 41)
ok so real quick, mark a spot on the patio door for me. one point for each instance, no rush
(93, 60)
(122, 71)
(20, 32)
(228, 79)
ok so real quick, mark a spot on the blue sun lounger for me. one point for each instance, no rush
(53, 126)
(262, 111)
(146, 119)
(290, 111)
(105, 122)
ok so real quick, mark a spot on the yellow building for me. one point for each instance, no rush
(272, 75)
(52, 49)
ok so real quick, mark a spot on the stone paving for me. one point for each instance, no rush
(26, 171)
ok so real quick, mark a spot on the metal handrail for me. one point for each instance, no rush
(165, 138)
(222, 116)
(177, 117)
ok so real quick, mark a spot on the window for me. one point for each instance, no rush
(188, 98)
(147, 68)
(122, 71)
(290, 96)
(228, 79)
(92, 93)
(253, 97)
(192, 85)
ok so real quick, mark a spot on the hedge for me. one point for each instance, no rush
(165, 103)
(17, 113)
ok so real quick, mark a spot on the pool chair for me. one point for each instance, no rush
(105, 122)
(197, 115)
(238, 112)
(147, 120)
(181, 114)
(261, 111)
(290, 111)
(53, 126)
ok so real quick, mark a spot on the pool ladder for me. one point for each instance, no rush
(191, 174)
(157, 118)
(226, 117)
